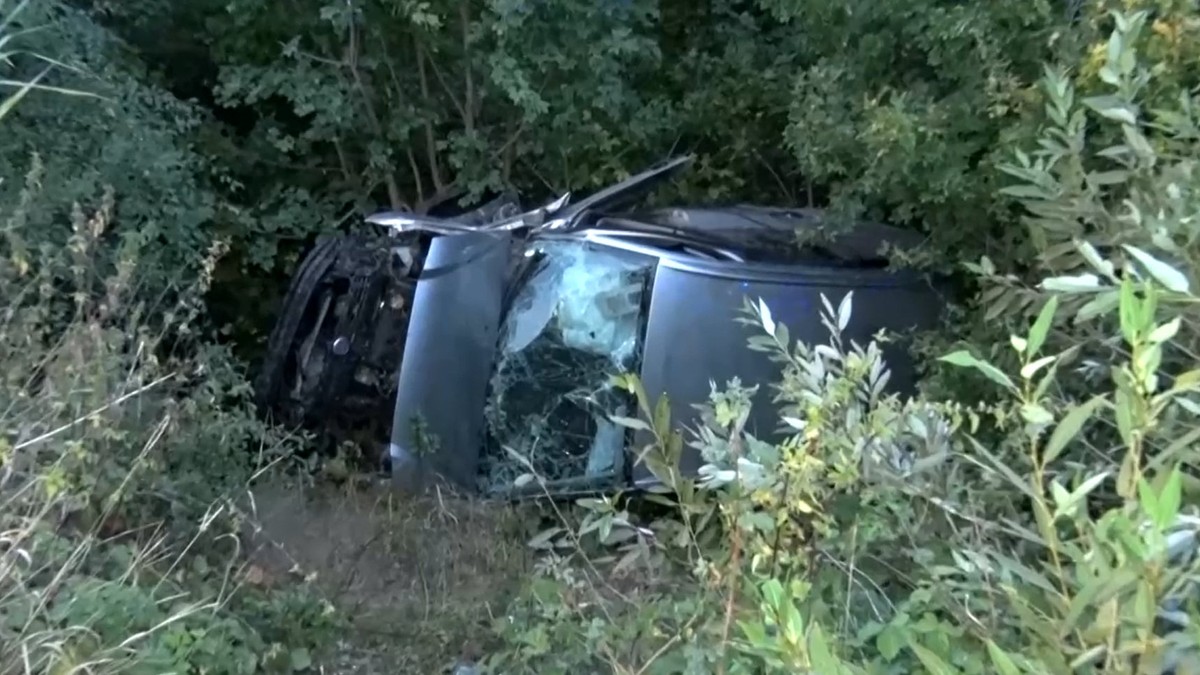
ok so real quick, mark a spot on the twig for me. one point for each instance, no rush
(116, 402)
(343, 161)
(469, 101)
(416, 172)
(351, 63)
(667, 645)
(735, 553)
(435, 168)
(787, 192)
(441, 78)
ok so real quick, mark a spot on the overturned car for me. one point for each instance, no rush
(458, 339)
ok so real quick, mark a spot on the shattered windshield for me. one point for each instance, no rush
(575, 321)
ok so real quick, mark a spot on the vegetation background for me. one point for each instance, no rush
(163, 165)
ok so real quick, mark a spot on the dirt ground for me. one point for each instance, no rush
(421, 578)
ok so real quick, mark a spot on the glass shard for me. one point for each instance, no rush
(575, 321)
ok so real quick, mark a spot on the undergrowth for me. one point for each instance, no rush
(1045, 523)
(126, 444)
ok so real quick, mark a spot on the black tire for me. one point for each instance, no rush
(305, 283)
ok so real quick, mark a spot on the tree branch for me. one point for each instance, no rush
(416, 172)
(351, 63)
(469, 101)
(441, 78)
(430, 145)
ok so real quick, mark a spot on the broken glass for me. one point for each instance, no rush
(575, 321)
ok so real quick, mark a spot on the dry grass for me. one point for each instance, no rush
(421, 578)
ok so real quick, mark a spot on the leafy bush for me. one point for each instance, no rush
(97, 122)
(1050, 528)
(122, 433)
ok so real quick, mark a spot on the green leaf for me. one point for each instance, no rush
(1069, 428)
(1102, 178)
(765, 318)
(1144, 605)
(890, 641)
(1170, 278)
(1129, 308)
(1036, 415)
(791, 621)
(964, 359)
(1001, 467)
(631, 383)
(1138, 141)
(300, 659)
(630, 422)
(1165, 332)
(819, 653)
(1041, 326)
(1003, 662)
(1031, 369)
(1025, 192)
(782, 336)
(932, 662)
(756, 634)
(1100, 305)
(1062, 498)
(1127, 477)
(1080, 493)
(543, 538)
(662, 416)
(772, 592)
(1187, 381)
(1178, 445)
(1113, 108)
(1079, 283)
(1026, 574)
(1123, 407)
(1170, 499)
(1045, 523)
(1085, 598)
(762, 521)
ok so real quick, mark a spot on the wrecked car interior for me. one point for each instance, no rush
(470, 341)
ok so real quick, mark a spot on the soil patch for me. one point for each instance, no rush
(422, 579)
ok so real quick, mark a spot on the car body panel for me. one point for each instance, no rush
(448, 358)
(693, 338)
(519, 324)
(501, 329)
(473, 307)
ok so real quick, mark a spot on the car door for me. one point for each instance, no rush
(693, 337)
(448, 354)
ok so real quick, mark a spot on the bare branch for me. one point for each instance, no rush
(469, 102)
(351, 63)
(430, 145)
(416, 172)
(441, 78)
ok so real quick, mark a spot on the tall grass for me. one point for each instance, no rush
(10, 33)
(108, 448)
(80, 432)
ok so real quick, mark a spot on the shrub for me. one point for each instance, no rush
(124, 441)
(1051, 528)
(98, 121)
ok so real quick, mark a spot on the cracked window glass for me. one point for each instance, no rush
(576, 320)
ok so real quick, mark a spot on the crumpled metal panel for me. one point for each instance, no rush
(448, 357)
